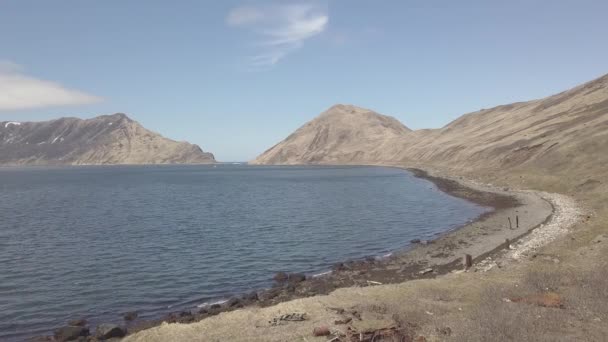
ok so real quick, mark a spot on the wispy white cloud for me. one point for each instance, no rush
(281, 28)
(19, 91)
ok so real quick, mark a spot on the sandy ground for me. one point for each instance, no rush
(543, 217)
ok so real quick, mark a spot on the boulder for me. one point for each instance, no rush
(107, 331)
(80, 322)
(251, 297)
(321, 331)
(296, 277)
(70, 333)
(280, 277)
(269, 294)
(234, 303)
(415, 241)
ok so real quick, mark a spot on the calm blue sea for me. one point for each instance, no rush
(96, 242)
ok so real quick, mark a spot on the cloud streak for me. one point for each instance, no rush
(19, 91)
(280, 29)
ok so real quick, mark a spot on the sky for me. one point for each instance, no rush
(238, 76)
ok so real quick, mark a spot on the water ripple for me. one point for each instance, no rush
(95, 242)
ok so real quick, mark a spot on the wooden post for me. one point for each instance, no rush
(516, 221)
(510, 226)
(467, 261)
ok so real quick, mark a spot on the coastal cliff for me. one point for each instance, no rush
(106, 139)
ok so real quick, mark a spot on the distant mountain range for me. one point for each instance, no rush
(106, 139)
(561, 133)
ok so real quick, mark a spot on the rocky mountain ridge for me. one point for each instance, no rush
(106, 139)
(563, 132)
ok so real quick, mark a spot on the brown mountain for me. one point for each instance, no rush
(106, 139)
(342, 134)
(556, 134)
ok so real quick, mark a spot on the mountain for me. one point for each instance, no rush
(341, 134)
(562, 132)
(106, 139)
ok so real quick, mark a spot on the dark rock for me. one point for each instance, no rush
(215, 306)
(415, 241)
(185, 314)
(343, 321)
(340, 267)
(251, 297)
(281, 277)
(81, 322)
(269, 294)
(321, 331)
(130, 316)
(296, 277)
(214, 312)
(70, 333)
(234, 303)
(107, 331)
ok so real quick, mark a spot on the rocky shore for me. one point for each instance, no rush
(513, 215)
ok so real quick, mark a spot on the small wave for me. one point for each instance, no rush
(212, 303)
(321, 274)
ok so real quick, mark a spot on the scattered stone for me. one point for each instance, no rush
(80, 322)
(296, 277)
(234, 303)
(251, 297)
(107, 331)
(415, 241)
(269, 294)
(130, 316)
(343, 321)
(340, 267)
(280, 277)
(339, 311)
(70, 333)
(425, 271)
(322, 330)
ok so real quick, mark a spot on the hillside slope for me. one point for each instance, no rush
(341, 134)
(563, 133)
(107, 139)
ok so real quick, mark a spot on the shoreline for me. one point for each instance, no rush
(482, 237)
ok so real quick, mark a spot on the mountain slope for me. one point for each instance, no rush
(107, 139)
(341, 134)
(563, 132)
(550, 133)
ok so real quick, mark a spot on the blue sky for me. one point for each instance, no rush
(236, 77)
